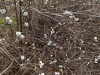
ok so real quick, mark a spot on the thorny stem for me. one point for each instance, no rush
(16, 15)
(71, 46)
(21, 23)
(6, 69)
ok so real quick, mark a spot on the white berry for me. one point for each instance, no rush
(26, 24)
(10, 21)
(18, 34)
(22, 36)
(25, 14)
(22, 57)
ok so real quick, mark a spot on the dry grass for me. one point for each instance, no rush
(62, 44)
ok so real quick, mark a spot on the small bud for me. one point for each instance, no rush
(34, 47)
(49, 43)
(95, 38)
(52, 31)
(83, 51)
(33, 44)
(45, 35)
(51, 62)
(41, 64)
(79, 58)
(41, 74)
(52, 6)
(21, 65)
(59, 23)
(55, 61)
(51, 55)
(60, 66)
(72, 17)
(57, 73)
(96, 60)
(82, 42)
(26, 24)
(76, 19)
(88, 63)
(67, 13)
(61, 47)
(28, 59)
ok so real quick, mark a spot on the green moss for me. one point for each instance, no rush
(8, 8)
(2, 20)
(13, 19)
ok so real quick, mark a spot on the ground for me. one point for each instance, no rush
(62, 37)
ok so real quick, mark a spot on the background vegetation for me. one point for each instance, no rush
(50, 37)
